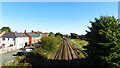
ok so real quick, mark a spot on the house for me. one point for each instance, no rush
(21, 40)
(8, 40)
(11, 41)
(33, 37)
(44, 34)
(41, 34)
(1, 34)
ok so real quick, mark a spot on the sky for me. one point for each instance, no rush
(63, 17)
(59, 0)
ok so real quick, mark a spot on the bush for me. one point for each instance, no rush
(50, 42)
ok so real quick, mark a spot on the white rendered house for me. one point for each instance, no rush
(7, 40)
(21, 40)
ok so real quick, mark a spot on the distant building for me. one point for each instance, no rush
(41, 34)
(44, 34)
(33, 37)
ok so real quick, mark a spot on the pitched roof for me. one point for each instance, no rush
(20, 35)
(33, 35)
(45, 33)
(9, 35)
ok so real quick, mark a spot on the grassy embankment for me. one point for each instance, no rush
(80, 44)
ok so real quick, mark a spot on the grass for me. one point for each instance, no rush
(15, 61)
(45, 53)
(79, 53)
(80, 43)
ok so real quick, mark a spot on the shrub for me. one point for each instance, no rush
(50, 42)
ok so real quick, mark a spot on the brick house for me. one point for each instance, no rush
(41, 34)
(33, 37)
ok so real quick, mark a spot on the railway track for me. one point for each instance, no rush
(65, 51)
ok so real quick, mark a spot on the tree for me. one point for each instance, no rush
(6, 29)
(74, 36)
(82, 37)
(67, 36)
(39, 32)
(104, 42)
(51, 33)
(50, 42)
(58, 34)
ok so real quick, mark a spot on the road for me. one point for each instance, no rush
(7, 57)
(65, 52)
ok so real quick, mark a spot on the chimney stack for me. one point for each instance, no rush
(25, 31)
(32, 31)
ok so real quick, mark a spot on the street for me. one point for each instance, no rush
(7, 56)
(4, 58)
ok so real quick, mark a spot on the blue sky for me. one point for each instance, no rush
(64, 17)
(59, 0)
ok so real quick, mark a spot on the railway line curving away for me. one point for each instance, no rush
(65, 52)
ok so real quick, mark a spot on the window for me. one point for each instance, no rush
(3, 45)
(3, 38)
(11, 45)
(14, 39)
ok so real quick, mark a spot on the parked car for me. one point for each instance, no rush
(37, 46)
(32, 48)
(29, 50)
(21, 53)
